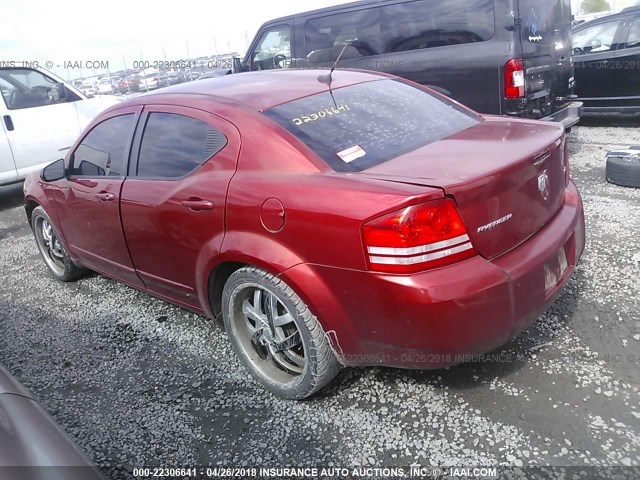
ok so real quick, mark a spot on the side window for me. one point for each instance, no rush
(103, 152)
(273, 49)
(633, 40)
(26, 88)
(595, 39)
(175, 145)
(325, 37)
(427, 24)
(6, 88)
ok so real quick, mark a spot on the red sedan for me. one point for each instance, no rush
(346, 219)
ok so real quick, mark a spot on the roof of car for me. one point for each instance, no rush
(606, 18)
(265, 89)
(319, 11)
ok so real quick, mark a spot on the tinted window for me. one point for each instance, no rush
(594, 39)
(325, 37)
(633, 40)
(543, 19)
(175, 145)
(357, 127)
(103, 152)
(426, 24)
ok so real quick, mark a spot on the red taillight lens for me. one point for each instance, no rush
(417, 238)
(514, 86)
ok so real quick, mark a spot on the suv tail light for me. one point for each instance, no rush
(417, 238)
(514, 78)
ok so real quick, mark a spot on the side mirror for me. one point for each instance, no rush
(237, 65)
(54, 171)
(596, 43)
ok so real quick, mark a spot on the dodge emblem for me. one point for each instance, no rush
(543, 185)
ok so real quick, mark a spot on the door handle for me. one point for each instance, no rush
(105, 196)
(8, 123)
(198, 205)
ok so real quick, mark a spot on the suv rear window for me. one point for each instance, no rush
(357, 127)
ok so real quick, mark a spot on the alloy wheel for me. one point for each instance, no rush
(49, 245)
(268, 333)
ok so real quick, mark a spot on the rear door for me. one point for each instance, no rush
(545, 36)
(173, 203)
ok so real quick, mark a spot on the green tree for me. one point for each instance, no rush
(595, 6)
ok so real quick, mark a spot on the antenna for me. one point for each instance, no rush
(328, 78)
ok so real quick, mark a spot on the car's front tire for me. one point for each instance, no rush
(275, 335)
(53, 252)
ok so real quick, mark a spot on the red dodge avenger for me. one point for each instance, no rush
(344, 219)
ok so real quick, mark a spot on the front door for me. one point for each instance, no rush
(593, 52)
(42, 122)
(626, 68)
(90, 213)
(173, 203)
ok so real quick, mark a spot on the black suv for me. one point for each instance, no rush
(606, 52)
(509, 57)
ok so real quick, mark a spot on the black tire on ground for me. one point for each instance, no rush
(53, 252)
(254, 303)
(623, 172)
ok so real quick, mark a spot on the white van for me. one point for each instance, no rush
(42, 115)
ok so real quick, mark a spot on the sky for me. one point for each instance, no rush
(119, 31)
(116, 31)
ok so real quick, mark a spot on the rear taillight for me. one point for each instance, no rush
(417, 238)
(514, 79)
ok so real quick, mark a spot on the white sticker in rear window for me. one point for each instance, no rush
(351, 154)
(327, 112)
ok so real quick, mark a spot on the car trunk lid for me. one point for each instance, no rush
(507, 178)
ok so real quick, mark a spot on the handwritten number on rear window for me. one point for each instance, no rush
(327, 112)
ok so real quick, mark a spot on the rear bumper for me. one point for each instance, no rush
(568, 116)
(440, 317)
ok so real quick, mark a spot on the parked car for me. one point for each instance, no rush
(509, 57)
(30, 438)
(366, 220)
(106, 87)
(88, 89)
(149, 81)
(606, 53)
(174, 78)
(42, 116)
(129, 84)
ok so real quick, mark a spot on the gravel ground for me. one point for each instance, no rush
(136, 381)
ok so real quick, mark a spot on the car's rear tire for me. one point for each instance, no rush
(275, 335)
(53, 252)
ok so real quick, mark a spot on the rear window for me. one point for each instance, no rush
(357, 127)
(544, 18)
